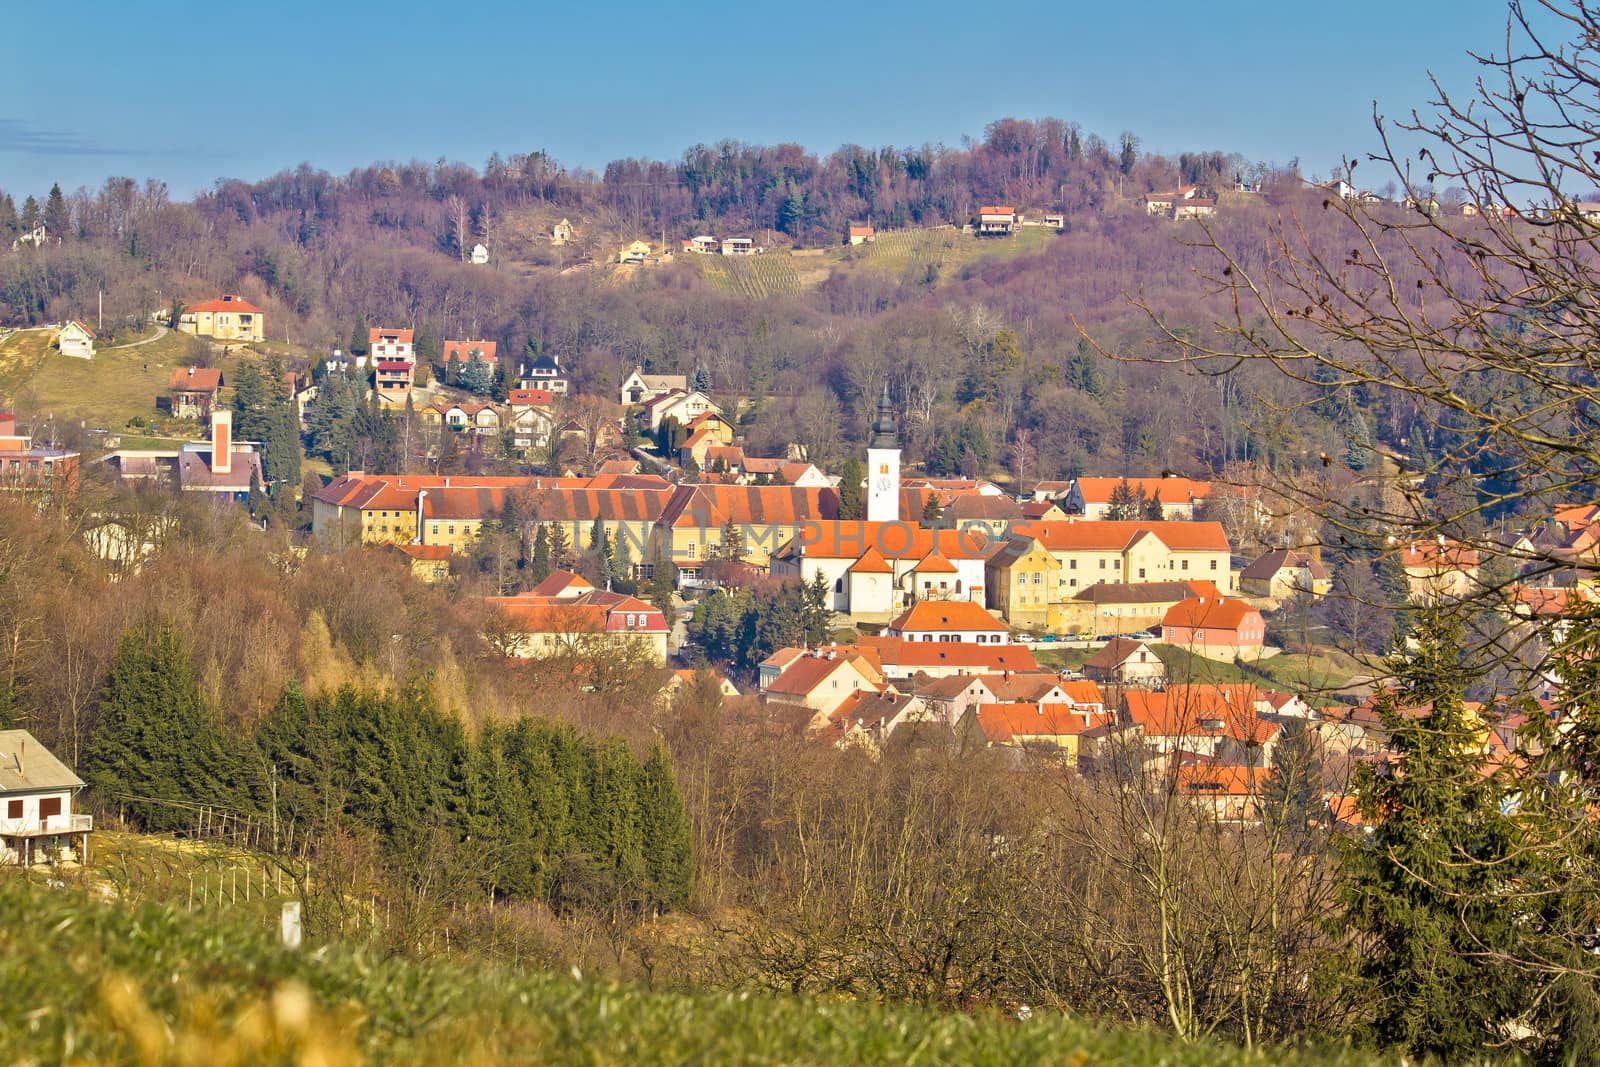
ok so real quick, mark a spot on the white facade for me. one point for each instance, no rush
(883, 485)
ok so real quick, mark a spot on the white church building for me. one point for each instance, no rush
(876, 568)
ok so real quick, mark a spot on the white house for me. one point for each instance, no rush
(480, 254)
(641, 388)
(678, 405)
(738, 246)
(36, 790)
(37, 237)
(76, 339)
(959, 621)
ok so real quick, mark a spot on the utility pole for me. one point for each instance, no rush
(100, 320)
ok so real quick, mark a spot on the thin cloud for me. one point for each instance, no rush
(21, 138)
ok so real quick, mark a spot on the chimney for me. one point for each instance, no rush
(221, 442)
(22, 751)
(420, 540)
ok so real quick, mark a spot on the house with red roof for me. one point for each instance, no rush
(192, 391)
(860, 234)
(576, 620)
(1220, 722)
(1217, 628)
(392, 380)
(821, 680)
(996, 220)
(390, 343)
(1092, 497)
(868, 720)
(877, 569)
(1092, 551)
(227, 318)
(1438, 569)
(75, 339)
(952, 621)
(698, 518)
(899, 659)
(1050, 729)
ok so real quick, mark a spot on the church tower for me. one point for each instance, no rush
(883, 465)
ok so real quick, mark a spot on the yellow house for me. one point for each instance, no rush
(429, 563)
(1022, 579)
(1091, 552)
(227, 318)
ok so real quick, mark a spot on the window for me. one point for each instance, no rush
(1141, 572)
(838, 585)
(1185, 565)
(49, 806)
(1037, 578)
(1072, 564)
(1213, 564)
(694, 550)
(632, 621)
(13, 809)
(1116, 564)
(1073, 584)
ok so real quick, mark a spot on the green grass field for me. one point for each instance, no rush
(106, 391)
(126, 982)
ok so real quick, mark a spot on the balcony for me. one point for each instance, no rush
(48, 827)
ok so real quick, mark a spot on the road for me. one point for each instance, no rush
(161, 331)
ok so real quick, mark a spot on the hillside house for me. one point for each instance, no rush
(37, 237)
(703, 244)
(1437, 569)
(37, 823)
(561, 232)
(392, 380)
(1055, 221)
(1215, 628)
(543, 373)
(1122, 661)
(75, 339)
(1284, 573)
(1196, 208)
(1051, 729)
(860, 234)
(457, 354)
(192, 391)
(1217, 722)
(536, 625)
(738, 246)
(641, 388)
(997, 220)
(821, 681)
(1093, 498)
(227, 318)
(634, 252)
(1023, 577)
(678, 404)
(385, 343)
(479, 255)
(868, 719)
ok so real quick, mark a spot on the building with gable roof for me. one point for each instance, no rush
(75, 339)
(544, 373)
(1121, 661)
(391, 343)
(227, 318)
(25, 467)
(37, 823)
(1222, 628)
(1124, 551)
(956, 621)
(876, 569)
(576, 618)
(1284, 573)
(822, 680)
(192, 391)
(639, 387)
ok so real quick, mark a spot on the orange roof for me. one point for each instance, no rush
(461, 351)
(945, 616)
(962, 655)
(380, 333)
(560, 581)
(871, 562)
(1107, 535)
(1172, 490)
(1002, 723)
(935, 563)
(1082, 692)
(426, 551)
(82, 326)
(997, 209)
(705, 506)
(1439, 553)
(848, 539)
(196, 379)
(1205, 613)
(805, 674)
(1210, 778)
(860, 231)
(1201, 711)
(532, 398)
(227, 302)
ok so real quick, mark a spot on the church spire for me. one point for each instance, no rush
(885, 433)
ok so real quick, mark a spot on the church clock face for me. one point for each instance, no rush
(883, 483)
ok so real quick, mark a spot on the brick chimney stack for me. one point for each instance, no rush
(221, 442)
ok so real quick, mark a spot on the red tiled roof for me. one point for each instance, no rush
(379, 333)
(804, 675)
(849, 539)
(860, 231)
(196, 379)
(227, 302)
(461, 351)
(945, 616)
(1003, 723)
(963, 655)
(535, 398)
(935, 563)
(704, 506)
(559, 581)
(997, 209)
(1439, 553)
(1172, 490)
(1204, 613)
(1201, 711)
(426, 551)
(1107, 535)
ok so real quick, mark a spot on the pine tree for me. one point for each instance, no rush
(622, 579)
(360, 337)
(932, 513)
(499, 387)
(732, 541)
(668, 852)
(560, 548)
(476, 377)
(1426, 890)
(700, 381)
(1122, 504)
(57, 216)
(1291, 795)
(1151, 510)
(8, 218)
(852, 505)
(428, 347)
(30, 213)
(539, 566)
(249, 402)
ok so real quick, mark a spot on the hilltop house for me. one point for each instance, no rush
(545, 374)
(997, 220)
(634, 252)
(479, 255)
(76, 339)
(561, 232)
(641, 388)
(861, 234)
(37, 823)
(1284, 573)
(738, 246)
(192, 391)
(37, 237)
(227, 318)
(391, 344)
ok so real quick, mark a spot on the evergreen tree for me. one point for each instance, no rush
(668, 854)
(427, 346)
(360, 337)
(1151, 510)
(622, 579)
(156, 740)
(539, 567)
(476, 377)
(8, 218)
(662, 582)
(1122, 505)
(732, 541)
(1359, 454)
(1425, 889)
(30, 213)
(57, 216)
(560, 548)
(249, 402)
(932, 513)
(500, 386)
(1291, 796)
(700, 381)
(852, 503)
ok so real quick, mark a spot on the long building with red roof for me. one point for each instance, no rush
(227, 318)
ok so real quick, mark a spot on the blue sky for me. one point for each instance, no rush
(191, 92)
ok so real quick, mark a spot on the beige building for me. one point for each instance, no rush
(227, 318)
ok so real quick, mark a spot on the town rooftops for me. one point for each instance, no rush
(1438, 553)
(26, 765)
(958, 655)
(1003, 723)
(195, 379)
(1171, 490)
(1114, 653)
(850, 539)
